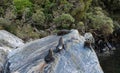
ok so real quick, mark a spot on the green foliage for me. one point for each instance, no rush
(48, 8)
(1, 11)
(4, 22)
(11, 28)
(10, 15)
(99, 21)
(116, 25)
(65, 26)
(26, 13)
(39, 2)
(87, 3)
(80, 24)
(80, 9)
(38, 17)
(7, 25)
(64, 18)
(81, 27)
(5, 2)
(22, 4)
(26, 32)
(65, 5)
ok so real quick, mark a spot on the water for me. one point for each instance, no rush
(111, 64)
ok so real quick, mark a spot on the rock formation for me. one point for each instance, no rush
(8, 43)
(74, 59)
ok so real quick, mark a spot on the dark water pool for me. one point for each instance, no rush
(111, 64)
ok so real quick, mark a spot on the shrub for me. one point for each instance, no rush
(116, 25)
(26, 14)
(9, 14)
(26, 32)
(38, 17)
(65, 5)
(99, 21)
(4, 4)
(39, 2)
(22, 4)
(81, 28)
(64, 20)
(4, 22)
(80, 8)
(7, 25)
(48, 8)
(1, 11)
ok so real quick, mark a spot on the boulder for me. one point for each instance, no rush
(73, 59)
(3, 56)
(8, 42)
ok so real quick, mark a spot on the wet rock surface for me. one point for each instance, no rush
(73, 59)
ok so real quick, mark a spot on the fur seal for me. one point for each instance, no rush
(49, 57)
(89, 40)
(60, 45)
(63, 32)
(89, 37)
(88, 45)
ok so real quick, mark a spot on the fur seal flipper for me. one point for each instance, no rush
(49, 58)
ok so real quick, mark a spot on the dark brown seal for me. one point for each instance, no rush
(60, 45)
(49, 57)
(88, 45)
(63, 32)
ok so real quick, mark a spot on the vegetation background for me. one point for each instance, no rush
(38, 18)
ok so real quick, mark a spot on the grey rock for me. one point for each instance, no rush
(3, 56)
(74, 59)
(8, 42)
